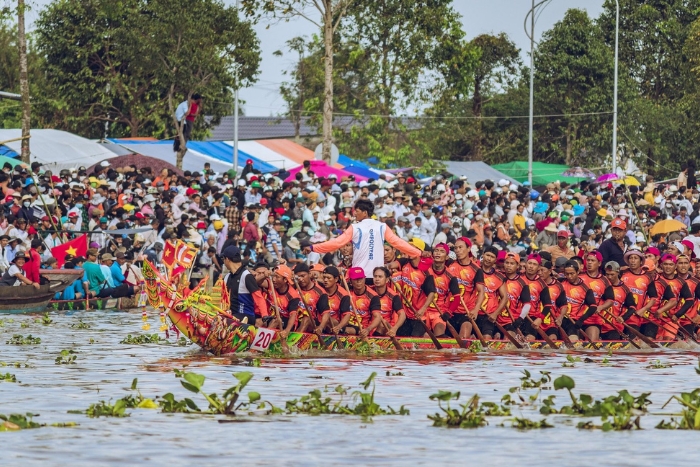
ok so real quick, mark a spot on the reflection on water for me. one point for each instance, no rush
(105, 369)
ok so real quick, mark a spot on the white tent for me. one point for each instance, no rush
(193, 160)
(265, 154)
(57, 149)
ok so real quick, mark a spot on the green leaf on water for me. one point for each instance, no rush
(244, 377)
(134, 383)
(253, 396)
(564, 382)
(195, 380)
(147, 404)
(189, 387)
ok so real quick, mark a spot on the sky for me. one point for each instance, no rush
(478, 17)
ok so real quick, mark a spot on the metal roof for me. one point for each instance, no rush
(476, 171)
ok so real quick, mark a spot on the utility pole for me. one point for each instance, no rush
(532, 92)
(235, 115)
(23, 82)
(614, 135)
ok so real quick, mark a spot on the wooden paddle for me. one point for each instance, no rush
(563, 334)
(394, 340)
(542, 334)
(308, 310)
(278, 315)
(475, 327)
(436, 342)
(505, 333)
(610, 322)
(681, 329)
(462, 344)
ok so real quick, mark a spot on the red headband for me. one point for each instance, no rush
(535, 257)
(444, 246)
(669, 257)
(597, 254)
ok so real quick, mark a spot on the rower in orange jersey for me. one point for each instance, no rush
(623, 304)
(287, 300)
(675, 301)
(416, 288)
(540, 301)
(688, 320)
(581, 301)
(557, 296)
(446, 291)
(512, 317)
(391, 312)
(310, 294)
(336, 303)
(470, 279)
(642, 284)
(363, 304)
(601, 290)
(495, 293)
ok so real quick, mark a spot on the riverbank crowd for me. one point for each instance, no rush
(394, 256)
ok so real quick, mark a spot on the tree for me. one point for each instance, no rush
(23, 82)
(125, 62)
(199, 44)
(574, 75)
(332, 13)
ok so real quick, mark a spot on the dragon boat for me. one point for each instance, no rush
(201, 317)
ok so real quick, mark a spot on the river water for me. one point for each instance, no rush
(104, 370)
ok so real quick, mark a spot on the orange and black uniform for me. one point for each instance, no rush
(468, 277)
(643, 287)
(389, 305)
(415, 286)
(685, 320)
(557, 297)
(493, 280)
(581, 304)
(447, 292)
(518, 296)
(364, 305)
(600, 285)
(624, 305)
(337, 304)
(311, 298)
(675, 288)
(540, 302)
(287, 302)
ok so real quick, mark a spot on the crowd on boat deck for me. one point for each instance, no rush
(387, 256)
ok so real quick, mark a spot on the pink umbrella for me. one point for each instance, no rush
(607, 178)
(322, 169)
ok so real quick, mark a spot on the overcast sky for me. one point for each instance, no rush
(478, 16)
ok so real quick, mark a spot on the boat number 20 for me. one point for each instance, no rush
(262, 339)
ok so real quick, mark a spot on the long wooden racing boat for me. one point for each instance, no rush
(201, 318)
(27, 299)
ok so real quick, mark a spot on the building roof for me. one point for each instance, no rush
(476, 171)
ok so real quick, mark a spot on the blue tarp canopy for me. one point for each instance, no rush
(5, 151)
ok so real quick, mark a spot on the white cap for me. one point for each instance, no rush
(363, 183)
(383, 193)
(513, 187)
(215, 217)
(503, 182)
(441, 187)
(458, 196)
(241, 182)
(472, 193)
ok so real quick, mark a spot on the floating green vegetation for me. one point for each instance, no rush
(658, 365)
(17, 364)
(118, 409)
(46, 320)
(224, 404)
(9, 377)
(470, 415)
(476, 347)
(19, 339)
(183, 342)
(316, 403)
(571, 361)
(526, 424)
(144, 339)
(398, 373)
(690, 413)
(67, 357)
(81, 325)
(16, 422)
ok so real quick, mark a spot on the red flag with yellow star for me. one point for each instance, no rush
(170, 255)
(76, 247)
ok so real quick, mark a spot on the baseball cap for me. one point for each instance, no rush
(619, 223)
(232, 253)
(597, 255)
(284, 271)
(612, 266)
(356, 273)
(418, 243)
(563, 233)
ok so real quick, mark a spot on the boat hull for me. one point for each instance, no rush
(221, 335)
(27, 299)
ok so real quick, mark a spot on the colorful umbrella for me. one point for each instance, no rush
(607, 178)
(667, 226)
(629, 181)
(578, 172)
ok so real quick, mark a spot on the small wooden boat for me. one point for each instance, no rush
(200, 318)
(27, 299)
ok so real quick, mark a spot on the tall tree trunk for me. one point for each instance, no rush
(328, 84)
(568, 145)
(23, 82)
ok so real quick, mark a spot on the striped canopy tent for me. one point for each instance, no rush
(322, 169)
